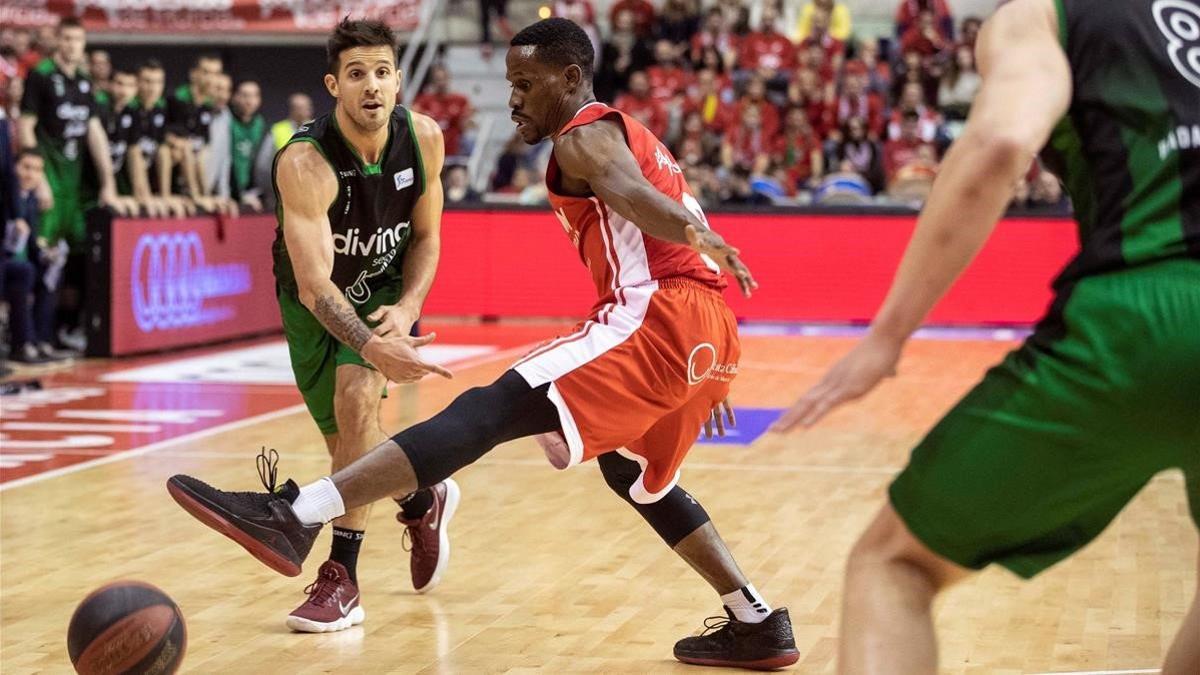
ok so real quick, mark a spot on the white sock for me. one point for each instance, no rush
(319, 502)
(746, 604)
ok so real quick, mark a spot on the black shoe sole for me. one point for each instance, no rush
(200, 509)
(769, 663)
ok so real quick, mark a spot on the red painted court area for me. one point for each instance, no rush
(97, 409)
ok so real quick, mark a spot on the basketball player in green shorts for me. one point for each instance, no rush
(1035, 461)
(360, 206)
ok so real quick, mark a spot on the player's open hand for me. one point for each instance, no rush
(396, 357)
(718, 420)
(392, 320)
(714, 246)
(857, 373)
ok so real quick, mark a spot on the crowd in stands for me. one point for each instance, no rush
(763, 108)
(760, 104)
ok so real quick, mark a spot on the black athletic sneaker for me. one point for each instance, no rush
(263, 523)
(736, 644)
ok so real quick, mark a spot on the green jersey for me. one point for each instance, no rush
(1129, 148)
(247, 138)
(372, 214)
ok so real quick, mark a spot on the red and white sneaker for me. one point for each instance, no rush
(426, 537)
(332, 603)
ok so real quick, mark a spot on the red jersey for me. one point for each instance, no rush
(618, 254)
(449, 111)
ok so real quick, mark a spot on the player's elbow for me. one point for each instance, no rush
(1004, 151)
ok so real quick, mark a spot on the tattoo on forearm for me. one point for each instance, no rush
(339, 319)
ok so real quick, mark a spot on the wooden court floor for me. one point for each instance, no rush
(552, 573)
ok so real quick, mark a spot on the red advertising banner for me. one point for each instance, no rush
(811, 267)
(179, 16)
(193, 281)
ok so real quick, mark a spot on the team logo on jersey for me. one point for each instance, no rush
(403, 179)
(380, 242)
(664, 161)
(702, 365)
(1179, 21)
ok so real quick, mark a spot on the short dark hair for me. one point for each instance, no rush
(118, 70)
(29, 152)
(205, 56)
(69, 22)
(150, 64)
(358, 33)
(560, 42)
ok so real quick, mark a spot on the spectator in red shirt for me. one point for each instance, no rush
(584, 15)
(747, 145)
(766, 51)
(823, 51)
(798, 150)
(808, 91)
(858, 101)
(696, 145)
(667, 79)
(909, 10)
(621, 55)
(924, 37)
(451, 111)
(638, 103)
(913, 69)
(642, 11)
(908, 148)
(756, 98)
(710, 59)
(715, 34)
(704, 98)
(913, 100)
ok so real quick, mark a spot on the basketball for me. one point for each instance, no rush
(126, 627)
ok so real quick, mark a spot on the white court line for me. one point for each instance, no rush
(221, 428)
(136, 452)
(1100, 672)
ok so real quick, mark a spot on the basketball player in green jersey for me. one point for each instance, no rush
(360, 206)
(1035, 461)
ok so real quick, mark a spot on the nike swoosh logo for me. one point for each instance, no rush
(346, 607)
(437, 517)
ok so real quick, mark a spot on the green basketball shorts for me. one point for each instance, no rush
(316, 355)
(1044, 452)
(65, 219)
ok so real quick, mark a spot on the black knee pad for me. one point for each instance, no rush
(673, 517)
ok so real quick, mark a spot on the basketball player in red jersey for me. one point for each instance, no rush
(631, 387)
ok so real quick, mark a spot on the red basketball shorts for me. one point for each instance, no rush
(640, 377)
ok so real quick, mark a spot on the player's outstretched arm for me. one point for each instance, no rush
(307, 187)
(425, 246)
(597, 154)
(1026, 91)
(97, 141)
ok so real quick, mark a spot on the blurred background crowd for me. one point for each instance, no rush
(763, 102)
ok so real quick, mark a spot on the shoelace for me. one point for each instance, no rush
(268, 463)
(410, 542)
(321, 591)
(715, 624)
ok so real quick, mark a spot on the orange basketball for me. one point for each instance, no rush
(126, 627)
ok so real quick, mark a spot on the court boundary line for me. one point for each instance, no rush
(483, 359)
(147, 449)
(1100, 672)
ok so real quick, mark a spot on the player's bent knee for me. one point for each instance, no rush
(889, 542)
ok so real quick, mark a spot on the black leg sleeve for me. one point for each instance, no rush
(673, 517)
(477, 421)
